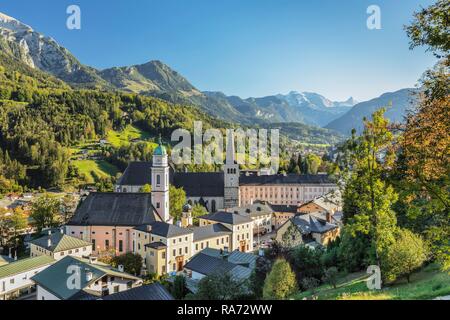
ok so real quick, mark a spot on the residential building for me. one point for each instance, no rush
(208, 262)
(282, 213)
(15, 277)
(260, 212)
(240, 226)
(164, 247)
(59, 245)
(73, 278)
(291, 189)
(307, 229)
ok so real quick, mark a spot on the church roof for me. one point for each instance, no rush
(160, 149)
(137, 174)
(115, 209)
(226, 217)
(284, 179)
(200, 184)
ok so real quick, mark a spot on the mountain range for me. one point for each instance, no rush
(156, 79)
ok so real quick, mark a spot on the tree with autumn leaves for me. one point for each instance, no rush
(398, 177)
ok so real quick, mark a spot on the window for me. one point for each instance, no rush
(158, 179)
(62, 253)
(180, 251)
(120, 245)
(139, 246)
(77, 250)
(217, 241)
(163, 255)
(116, 289)
(158, 205)
(107, 244)
(11, 281)
(174, 267)
(196, 247)
(174, 252)
(93, 244)
(70, 251)
(186, 250)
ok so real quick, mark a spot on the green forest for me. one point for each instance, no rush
(41, 118)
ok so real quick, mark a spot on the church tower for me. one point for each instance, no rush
(231, 174)
(160, 182)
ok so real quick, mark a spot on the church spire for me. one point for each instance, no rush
(230, 155)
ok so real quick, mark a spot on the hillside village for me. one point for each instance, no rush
(230, 235)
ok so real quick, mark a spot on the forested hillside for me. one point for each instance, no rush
(41, 117)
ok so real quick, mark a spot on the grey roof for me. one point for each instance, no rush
(207, 265)
(164, 229)
(200, 184)
(284, 208)
(226, 217)
(139, 173)
(154, 291)
(284, 179)
(210, 231)
(308, 223)
(54, 278)
(115, 209)
(136, 174)
(5, 260)
(59, 242)
(156, 245)
(253, 210)
(236, 257)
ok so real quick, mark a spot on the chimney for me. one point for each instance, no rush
(92, 259)
(328, 216)
(121, 268)
(61, 230)
(49, 242)
(89, 276)
(149, 228)
(49, 232)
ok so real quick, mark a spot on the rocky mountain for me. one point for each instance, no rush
(159, 80)
(44, 53)
(306, 108)
(396, 103)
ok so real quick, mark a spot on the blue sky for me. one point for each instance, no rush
(244, 47)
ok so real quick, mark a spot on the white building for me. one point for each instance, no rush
(74, 278)
(59, 245)
(15, 277)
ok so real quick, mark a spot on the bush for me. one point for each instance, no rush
(331, 276)
(407, 254)
(280, 282)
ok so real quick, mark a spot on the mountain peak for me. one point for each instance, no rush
(10, 23)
